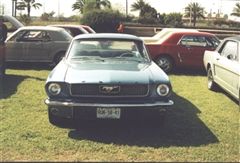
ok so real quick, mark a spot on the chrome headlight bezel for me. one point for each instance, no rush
(163, 90)
(54, 89)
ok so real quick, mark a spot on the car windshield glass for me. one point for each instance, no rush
(105, 49)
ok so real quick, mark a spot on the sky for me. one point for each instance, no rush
(64, 7)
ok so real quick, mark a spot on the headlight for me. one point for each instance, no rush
(163, 90)
(54, 89)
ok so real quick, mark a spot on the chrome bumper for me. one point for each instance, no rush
(76, 104)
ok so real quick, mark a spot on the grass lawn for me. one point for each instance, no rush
(203, 126)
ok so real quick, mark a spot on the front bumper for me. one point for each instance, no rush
(88, 111)
(134, 105)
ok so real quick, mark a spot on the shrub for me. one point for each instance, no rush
(220, 22)
(47, 16)
(173, 19)
(102, 20)
(25, 19)
(147, 18)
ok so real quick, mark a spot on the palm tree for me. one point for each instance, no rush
(139, 6)
(28, 4)
(78, 5)
(195, 11)
(236, 10)
(104, 3)
(81, 4)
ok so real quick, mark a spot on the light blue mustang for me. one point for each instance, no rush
(106, 76)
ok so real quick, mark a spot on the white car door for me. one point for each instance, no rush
(227, 67)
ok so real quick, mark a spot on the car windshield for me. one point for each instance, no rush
(105, 49)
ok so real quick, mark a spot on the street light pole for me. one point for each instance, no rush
(191, 15)
(126, 8)
(12, 7)
(15, 12)
(191, 5)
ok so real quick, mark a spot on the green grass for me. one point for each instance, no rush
(203, 126)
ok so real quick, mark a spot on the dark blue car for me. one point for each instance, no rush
(106, 76)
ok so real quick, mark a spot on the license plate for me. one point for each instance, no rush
(108, 113)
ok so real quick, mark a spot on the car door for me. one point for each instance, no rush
(37, 43)
(227, 67)
(192, 48)
(15, 48)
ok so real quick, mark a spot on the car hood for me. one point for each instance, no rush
(106, 72)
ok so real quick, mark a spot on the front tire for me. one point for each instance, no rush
(211, 84)
(165, 63)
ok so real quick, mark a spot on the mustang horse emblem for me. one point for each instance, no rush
(109, 89)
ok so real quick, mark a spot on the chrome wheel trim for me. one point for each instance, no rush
(164, 64)
(210, 79)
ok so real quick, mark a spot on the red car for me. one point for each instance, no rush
(181, 49)
(75, 30)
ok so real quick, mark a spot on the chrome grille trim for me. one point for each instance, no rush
(123, 87)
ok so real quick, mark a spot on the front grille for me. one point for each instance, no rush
(91, 90)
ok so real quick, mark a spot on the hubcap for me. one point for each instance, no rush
(164, 64)
(210, 79)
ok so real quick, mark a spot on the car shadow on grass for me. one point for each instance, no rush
(189, 72)
(9, 84)
(29, 66)
(182, 128)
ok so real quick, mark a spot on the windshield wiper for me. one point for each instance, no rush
(87, 58)
(127, 59)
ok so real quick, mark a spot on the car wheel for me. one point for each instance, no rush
(165, 63)
(59, 121)
(211, 84)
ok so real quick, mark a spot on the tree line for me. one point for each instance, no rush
(147, 14)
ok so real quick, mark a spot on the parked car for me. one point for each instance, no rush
(106, 76)
(37, 44)
(2, 60)
(164, 33)
(223, 66)
(73, 30)
(12, 24)
(182, 49)
(88, 28)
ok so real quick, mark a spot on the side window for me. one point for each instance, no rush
(200, 41)
(214, 41)
(230, 50)
(16, 36)
(35, 35)
(186, 40)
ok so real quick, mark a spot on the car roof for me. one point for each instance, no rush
(191, 32)
(65, 25)
(108, 36)
(17, 24)
(40, 28)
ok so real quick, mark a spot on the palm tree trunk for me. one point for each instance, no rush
(28, 9)
(194, 20)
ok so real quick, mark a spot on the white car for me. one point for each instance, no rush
(223, 66)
